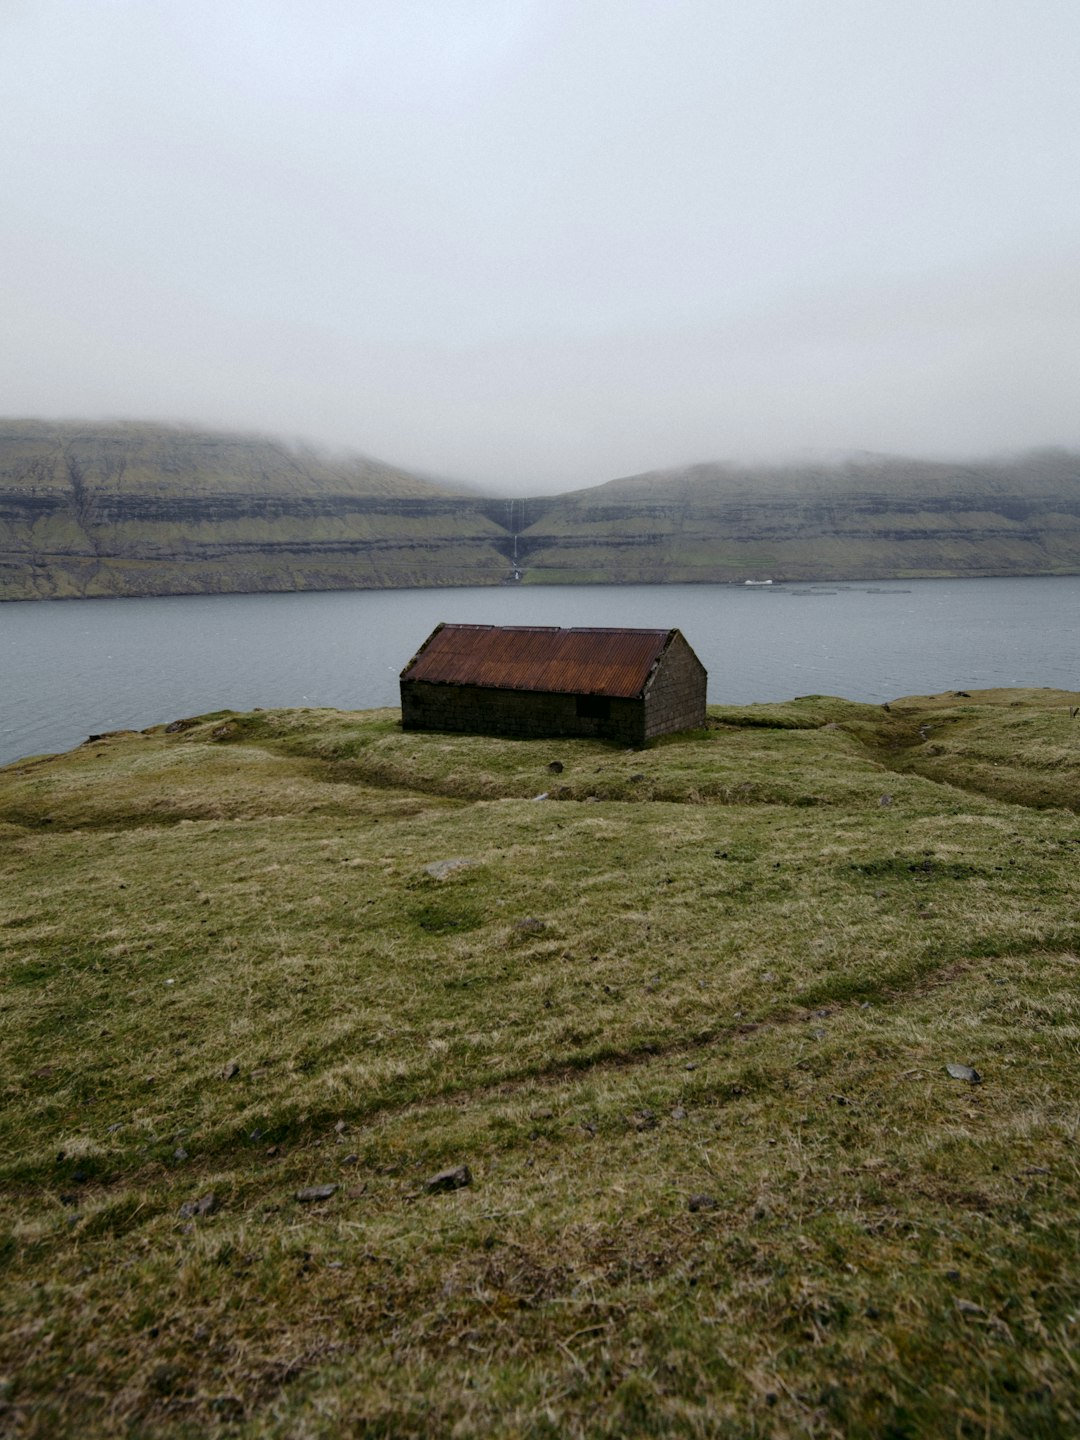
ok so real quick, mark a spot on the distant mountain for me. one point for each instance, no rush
(138, 509)
(869, 518)
(134, 509)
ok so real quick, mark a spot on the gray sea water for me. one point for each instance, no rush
(71, 668)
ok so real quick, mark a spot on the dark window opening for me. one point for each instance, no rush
(593, 707)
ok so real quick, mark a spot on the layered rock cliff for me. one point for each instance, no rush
(93, 510)
(875, 518)
(148, 510)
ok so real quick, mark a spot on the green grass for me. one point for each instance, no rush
(733, 965)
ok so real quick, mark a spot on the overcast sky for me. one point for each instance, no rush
(542, 243)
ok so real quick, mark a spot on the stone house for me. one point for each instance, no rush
(622, 685)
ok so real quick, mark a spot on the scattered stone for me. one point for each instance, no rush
(768, 975)
(634, 779)
(315, 1193)
(341, 1127)
(351, 1160)
(968, 1307)
(542, 796)
(454, 1179)
(112, 1129)
(530, 925)
(885, 801)
(964, 1072)
(678, 1113)
(272, 1150)
(440, 869)
(205, 1205)
(556, 767)
(643, 1120)
(697, 1203)
(229, 1071)
(180, 1153)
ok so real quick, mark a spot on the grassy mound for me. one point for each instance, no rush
(684, 1013)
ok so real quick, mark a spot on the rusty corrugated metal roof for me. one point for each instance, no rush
(522, 657)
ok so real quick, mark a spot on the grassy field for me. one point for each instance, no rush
(684, 1013)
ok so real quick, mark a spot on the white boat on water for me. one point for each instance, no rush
(757, 582)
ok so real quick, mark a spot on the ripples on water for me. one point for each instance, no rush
(74, 667)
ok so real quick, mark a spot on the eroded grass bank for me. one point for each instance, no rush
(686, 1020)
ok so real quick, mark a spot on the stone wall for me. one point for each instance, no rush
(529, 714)
(675, 698)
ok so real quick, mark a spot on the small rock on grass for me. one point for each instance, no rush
(440, 869)
(697, 1203)
(454, 1179)
(968, 1307)
(230, 1071)
(205, 1205)
(314, 1193)
(964, 1072)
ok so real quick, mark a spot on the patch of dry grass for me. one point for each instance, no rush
(727, 970)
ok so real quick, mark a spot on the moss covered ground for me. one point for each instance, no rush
(684, 1013)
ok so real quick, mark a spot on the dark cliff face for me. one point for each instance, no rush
(141, 509)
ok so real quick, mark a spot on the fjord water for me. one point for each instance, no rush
(69, 668)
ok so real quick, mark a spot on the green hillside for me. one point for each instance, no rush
(696, 1024)
(88, 510)
(148, 510)
(867, 520)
